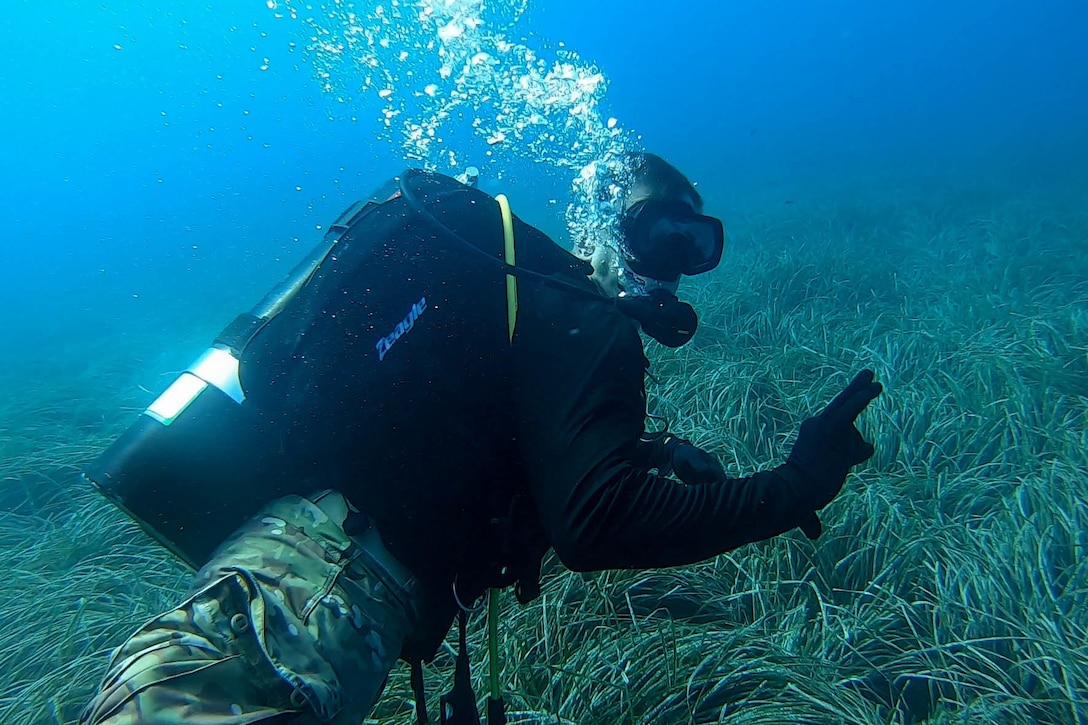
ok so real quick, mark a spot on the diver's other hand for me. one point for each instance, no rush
(829, 445)
(693, 465)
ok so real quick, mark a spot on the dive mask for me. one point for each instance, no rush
(667, 239)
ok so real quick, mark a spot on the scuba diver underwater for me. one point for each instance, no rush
(433, 399)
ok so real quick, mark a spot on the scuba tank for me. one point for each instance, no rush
(197, 459)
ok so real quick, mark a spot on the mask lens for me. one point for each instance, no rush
(668, 239)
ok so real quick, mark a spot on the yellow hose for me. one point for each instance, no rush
(511, 280)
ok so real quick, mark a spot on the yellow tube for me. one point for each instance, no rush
(511, 280)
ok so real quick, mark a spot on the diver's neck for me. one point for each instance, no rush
(605, 274)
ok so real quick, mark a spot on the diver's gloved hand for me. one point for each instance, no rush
(691, 464)
(828, 446)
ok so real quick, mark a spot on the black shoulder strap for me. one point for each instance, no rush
(410, 192)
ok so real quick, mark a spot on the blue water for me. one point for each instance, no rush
(163, 164)
(164, 161)
(147, 155)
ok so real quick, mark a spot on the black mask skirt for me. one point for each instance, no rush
(667, 239)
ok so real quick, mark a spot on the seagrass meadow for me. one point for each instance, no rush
(951, 581)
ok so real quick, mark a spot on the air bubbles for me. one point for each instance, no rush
(451, 31)
(435, 64)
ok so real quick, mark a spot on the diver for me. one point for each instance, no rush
(445, 397)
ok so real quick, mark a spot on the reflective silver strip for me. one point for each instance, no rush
(175, 399)
(219, 368)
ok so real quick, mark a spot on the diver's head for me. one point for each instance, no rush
(650, 176)
(662, 234)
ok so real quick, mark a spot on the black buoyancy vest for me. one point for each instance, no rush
(387, 377)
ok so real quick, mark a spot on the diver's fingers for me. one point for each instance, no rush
(848, 404)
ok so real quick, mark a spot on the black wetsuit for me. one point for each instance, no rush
(471, 452)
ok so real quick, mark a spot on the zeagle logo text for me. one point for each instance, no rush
(402, 327)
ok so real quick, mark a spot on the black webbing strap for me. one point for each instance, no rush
(418, 693)
(459, 704)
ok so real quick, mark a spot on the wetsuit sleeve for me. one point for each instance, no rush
(581, 405)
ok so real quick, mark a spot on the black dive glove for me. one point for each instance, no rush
(691, 464)
(828, 446)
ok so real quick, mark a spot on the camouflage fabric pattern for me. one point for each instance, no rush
(290, 622)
